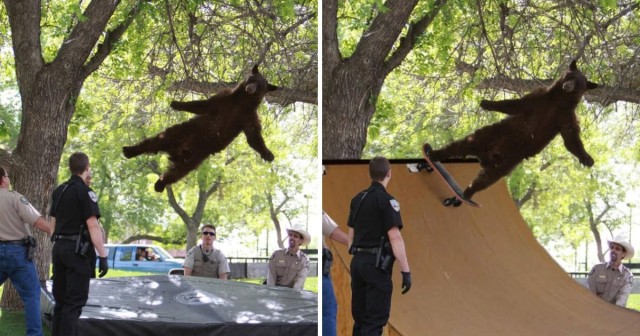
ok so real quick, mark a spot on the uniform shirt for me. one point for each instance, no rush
(328, 226)
(378, 214)
(216, 265)
(288, 269)
(73, 207)
(15, 211)
(611, 284)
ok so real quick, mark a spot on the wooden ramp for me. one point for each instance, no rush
(475, 271)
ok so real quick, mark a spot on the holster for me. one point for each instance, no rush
(83, 243)
(327, 261)
(384, 256)
(30, 242)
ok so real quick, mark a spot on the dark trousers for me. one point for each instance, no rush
(71, 275)
(371, 291)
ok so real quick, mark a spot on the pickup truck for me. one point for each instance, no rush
(141, 258)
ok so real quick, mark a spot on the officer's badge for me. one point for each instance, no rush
(93, 196)
(24, 200)
(395, 205)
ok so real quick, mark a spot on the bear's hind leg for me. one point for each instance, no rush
(179, 169)
(488, 175)
(150, 145)
(457, 149)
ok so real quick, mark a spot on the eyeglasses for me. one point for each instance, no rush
(208, 233)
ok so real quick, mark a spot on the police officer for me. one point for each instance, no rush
(16, 213)
(290, 267)
(612, 281)
(375, 240)
(204, 260)
(77, 236)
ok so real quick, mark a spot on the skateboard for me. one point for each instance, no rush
(430, 166)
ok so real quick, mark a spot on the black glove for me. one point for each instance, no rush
(406, 282)
(103, 267)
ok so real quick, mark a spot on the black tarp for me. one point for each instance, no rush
(191, 306)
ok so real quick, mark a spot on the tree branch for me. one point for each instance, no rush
(415, 29)
(110, 39)
(24, 19)
(330, 47)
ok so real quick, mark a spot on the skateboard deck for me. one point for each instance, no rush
(457, 199)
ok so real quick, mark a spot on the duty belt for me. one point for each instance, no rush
(12, 242)
(372, 250)
(65, 237)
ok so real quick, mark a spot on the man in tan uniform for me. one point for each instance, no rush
(17, 217)
(289, 267)
(612, 281)
(204, 260)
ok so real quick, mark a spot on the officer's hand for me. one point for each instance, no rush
(103, 267)
(406, 282)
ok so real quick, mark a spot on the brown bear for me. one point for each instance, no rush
(219, 120)
(533, 121)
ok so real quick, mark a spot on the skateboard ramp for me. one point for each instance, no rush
(475, 271)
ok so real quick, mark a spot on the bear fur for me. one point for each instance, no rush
(533, 121)
(218, 121)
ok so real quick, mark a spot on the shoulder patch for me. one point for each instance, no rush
(395, 205)
(24, 200)
(93, 196)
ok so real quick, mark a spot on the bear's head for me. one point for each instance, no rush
(256, 84)
(575, 82)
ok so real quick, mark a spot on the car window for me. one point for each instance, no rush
(126, 254)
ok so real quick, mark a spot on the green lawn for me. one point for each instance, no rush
(13, 322)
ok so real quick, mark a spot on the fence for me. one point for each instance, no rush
(256, 268)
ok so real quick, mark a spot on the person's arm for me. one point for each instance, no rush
(301, 276)
(189, 261)
(591, 280)
(623, 293)
(350, 239)
(271, 271)
(96, 234)
(397, 245)
(42, 225)
(52, 223)
(223, 266)
(339, 236)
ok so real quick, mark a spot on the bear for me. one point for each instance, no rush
(532, 122)
(218, 121)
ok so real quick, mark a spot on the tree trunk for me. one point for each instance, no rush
(48, 93)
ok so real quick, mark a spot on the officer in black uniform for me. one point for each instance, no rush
(375, 241)
(77, 235)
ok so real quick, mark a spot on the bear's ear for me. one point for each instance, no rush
(254, 70)
(591, 85)
(271, 87)
(573, 65)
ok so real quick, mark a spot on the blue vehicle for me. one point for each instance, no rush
(141, 258)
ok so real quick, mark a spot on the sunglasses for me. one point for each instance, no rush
(208, 233)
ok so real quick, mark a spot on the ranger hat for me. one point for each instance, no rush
(306, 237)
(627, 246)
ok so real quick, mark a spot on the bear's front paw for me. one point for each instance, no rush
(159, 186)
(174, 104)
(587, 161)
(485, 104)
(268, 156)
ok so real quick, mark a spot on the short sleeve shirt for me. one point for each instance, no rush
(610, 283)
(15, 212)
(378, 213)
(288, 269)
(73, 206)
(217, 263)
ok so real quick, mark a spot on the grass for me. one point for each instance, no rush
(12, 322)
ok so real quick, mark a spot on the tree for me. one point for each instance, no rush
(351, 84)
(49, 84)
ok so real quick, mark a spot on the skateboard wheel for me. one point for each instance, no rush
(447, 202)
(456, 202)
(425, 165)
